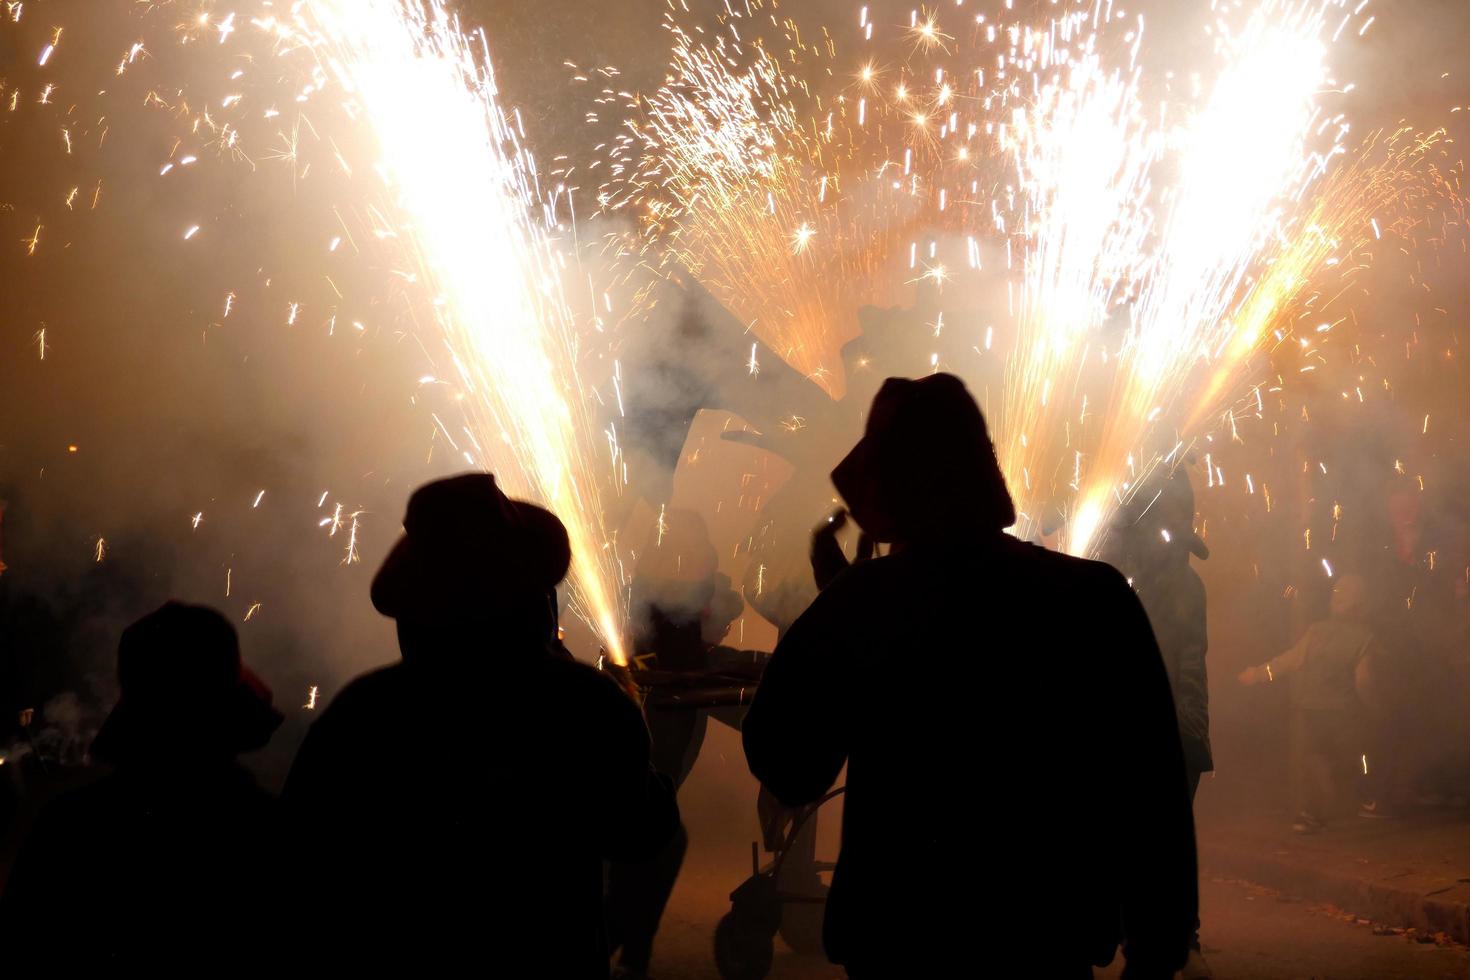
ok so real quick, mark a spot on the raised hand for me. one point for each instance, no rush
(828, 560)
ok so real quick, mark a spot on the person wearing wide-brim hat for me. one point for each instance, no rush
(153, 866)
(1011, 750)
(457, 807)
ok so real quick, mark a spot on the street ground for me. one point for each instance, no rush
(1250, 932)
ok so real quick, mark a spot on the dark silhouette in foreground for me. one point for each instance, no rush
(1016, 788)
(152, 869)
(456, 808)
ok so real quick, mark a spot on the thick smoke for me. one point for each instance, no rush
(177, 408)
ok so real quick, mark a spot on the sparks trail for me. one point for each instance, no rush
(483, 232)
(1152, 246)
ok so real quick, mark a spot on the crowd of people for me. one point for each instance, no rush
(490, 800)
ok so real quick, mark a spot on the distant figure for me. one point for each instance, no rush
(1016, 799)
(1326, 669)
(454, 810)
(155, 868)
(1154, 552)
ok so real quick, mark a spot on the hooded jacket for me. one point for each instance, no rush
(1011, 746)
(1005, 719)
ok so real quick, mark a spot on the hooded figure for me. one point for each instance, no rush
(1155, 548)
(1004, 716)
(152, 868)
(456, 808)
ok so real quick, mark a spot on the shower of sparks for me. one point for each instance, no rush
(469, 195)
(730, 170)
(1155, 246)
(311, 696)
(1147, 258)
(1233, 248)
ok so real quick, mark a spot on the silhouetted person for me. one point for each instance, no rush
(1154, 554)
(1016, 801)
(455, 809)
(1326, 670)
(153, 869)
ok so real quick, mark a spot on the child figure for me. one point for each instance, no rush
(1325, 670)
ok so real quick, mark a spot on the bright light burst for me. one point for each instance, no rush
(1242, 230)
(477, 221)
(1155, 243)
(1148, 244)
(1083, 156)
(733, 170)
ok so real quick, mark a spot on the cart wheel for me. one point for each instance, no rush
(801, 926)
(742, 953)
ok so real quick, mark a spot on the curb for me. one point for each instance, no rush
(1390, 901)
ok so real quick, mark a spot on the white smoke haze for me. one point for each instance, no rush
(282, 349)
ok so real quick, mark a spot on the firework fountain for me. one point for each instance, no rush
(1156, 241)
(481, 228)
(1146, 255)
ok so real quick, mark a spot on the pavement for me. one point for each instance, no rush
(1250, 933)
(1255, 933)
(1410, 872)
(1363, 900)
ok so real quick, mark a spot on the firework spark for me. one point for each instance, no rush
(470, 199)
(1249, 223)
(1154, 246)
(737, 180)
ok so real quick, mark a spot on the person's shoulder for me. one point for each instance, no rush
(1094, 590)
(580, 679)
(365, 692)
(1059, 565)
(1190, 586)
(877, 581)
(82, 806)
(373, 682)
(873, 573)
(88, 797)
(587, 695)
(1010, 555)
